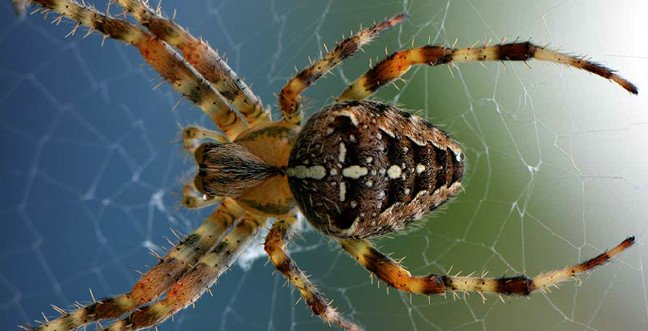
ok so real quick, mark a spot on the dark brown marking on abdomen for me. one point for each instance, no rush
(422, 156)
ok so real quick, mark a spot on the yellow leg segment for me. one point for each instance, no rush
(275, 246)
(398, 277)
(198, 279)
(156, 281)
(289, 97)
(203, 58)
(172, 67)
(400, 62)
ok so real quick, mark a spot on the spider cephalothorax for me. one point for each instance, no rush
(246, 170)
(357, 169)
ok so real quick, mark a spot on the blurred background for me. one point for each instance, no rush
(557, 166)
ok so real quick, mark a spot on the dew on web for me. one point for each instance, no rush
(92, 169)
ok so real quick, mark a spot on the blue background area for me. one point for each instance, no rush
(92, 169)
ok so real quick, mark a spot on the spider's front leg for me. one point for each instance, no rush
(398, 277)
(203, 58)
(275, 246)
(172, 67)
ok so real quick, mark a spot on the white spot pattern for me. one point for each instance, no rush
(354, 171)
(314, 172)
(394, 172)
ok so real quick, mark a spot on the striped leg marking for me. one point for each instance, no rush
(289, 97)
(400, 62)
(396, 276)
(275, 246)
(157, 280)
(203, 58)
(188, 288)
(171, 66)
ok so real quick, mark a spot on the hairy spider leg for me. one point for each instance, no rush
(171, 66)
(198, 279)
(289, 98)
(203, 58)
(400, 62)
(398, 277)
(156, 281)
(275, 246)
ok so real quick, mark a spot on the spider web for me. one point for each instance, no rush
(556, 173)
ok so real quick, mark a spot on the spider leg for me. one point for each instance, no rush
(400, 62)
(275, 246)
(157, 280)
(398, 277)
(203, 58)
(289, 97)
(171, 66)
(193, 283)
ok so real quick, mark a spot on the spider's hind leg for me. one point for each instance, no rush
(400, 62)
(156, 281)
(187, 288)
(398, 277)
(275, 246)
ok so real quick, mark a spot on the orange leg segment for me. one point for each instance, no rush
(198, 279)
(400, 62)
(398, 277)
(171, 66)
(157, 280)
(203, 58)
(289, 97)
(275, 246)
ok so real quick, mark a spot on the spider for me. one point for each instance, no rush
(357, 169)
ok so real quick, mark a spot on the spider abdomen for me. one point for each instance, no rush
(361, 168)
